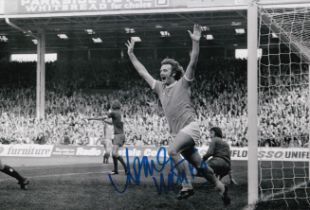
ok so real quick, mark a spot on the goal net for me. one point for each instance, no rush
(283, 105)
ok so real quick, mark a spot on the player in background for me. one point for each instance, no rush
(218, 154)
(174, 93)
(119, 136)
(107, 142)
(22, 181)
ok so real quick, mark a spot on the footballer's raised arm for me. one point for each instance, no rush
(138, 65)
(195, 36)
(97, 118)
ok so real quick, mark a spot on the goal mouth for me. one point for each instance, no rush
(283, 104)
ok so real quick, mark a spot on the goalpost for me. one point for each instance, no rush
(278, 100)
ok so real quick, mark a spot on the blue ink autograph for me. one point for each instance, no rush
(150, 168)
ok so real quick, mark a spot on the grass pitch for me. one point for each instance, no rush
(87, 186)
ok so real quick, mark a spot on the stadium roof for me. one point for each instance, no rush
(111, 29)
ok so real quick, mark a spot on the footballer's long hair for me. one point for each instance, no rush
(217, 132)
(177, 69)
(116, 105)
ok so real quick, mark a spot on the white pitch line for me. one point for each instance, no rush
(68, 174)
(76, 174)
(58, 175)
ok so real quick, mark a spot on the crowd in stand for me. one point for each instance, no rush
(219, 94)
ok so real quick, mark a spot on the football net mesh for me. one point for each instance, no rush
(283, 104)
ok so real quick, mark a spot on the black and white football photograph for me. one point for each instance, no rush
(154, 104)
